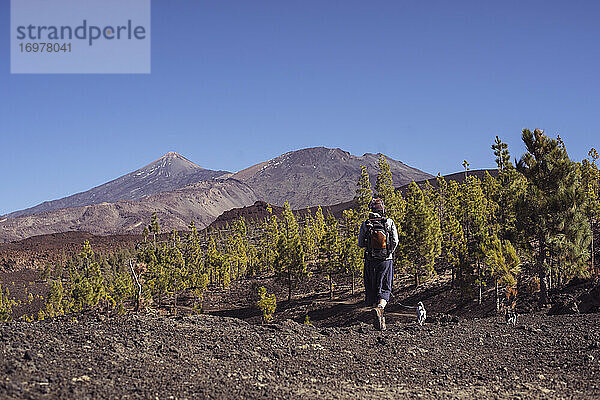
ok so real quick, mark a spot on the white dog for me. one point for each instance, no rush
(421, 313)
(510, 316)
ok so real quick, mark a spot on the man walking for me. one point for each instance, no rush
(379, 236)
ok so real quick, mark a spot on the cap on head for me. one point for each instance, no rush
(377, 205)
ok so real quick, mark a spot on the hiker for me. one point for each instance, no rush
(378, 235)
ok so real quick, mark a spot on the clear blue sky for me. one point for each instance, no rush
(234, 83)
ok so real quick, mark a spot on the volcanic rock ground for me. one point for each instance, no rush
(204, 356)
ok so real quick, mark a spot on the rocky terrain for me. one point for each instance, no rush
(200, 202)
(259, 211)
(170, 172)
(463, 351)
(186, 357)
(319, 175)
(38, 251)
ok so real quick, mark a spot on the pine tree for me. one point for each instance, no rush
(504, 265)
(395, 205)
(551, 209)
(453, 239)
(239, 254)
(332, 251)
(511, 184)
(590, 180)
(364, 193)
(194, 259)
(54, 305)
(384, 187)
(422, 233)
(253, 260)
(314, 229)
(267, 304)
(175, 270)
(269, 240)
(474, 220)
(352, 255)
(215, 262)
(319, 223)
(502, 154)
(290, 254)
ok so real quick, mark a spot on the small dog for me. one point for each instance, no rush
(510, 316)
(421, 313)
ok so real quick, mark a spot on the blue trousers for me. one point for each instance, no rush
(378, 278)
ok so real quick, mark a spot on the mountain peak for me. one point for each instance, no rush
(172, 154)
(172, 162)
(318, 175)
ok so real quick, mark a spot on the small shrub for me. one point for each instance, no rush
(267, 303)
(6, 305)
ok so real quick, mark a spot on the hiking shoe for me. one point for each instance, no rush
(379, 321)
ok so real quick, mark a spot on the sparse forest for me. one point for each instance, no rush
(534, 220)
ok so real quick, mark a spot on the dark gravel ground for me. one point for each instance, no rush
(187, 357)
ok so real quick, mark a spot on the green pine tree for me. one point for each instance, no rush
(551, 209)
(352, 256)
(267, 304)
(453, 239)
(268, 241)
(504, 264)
(290, 254)
(332, 251)
(364, 193)
(422, 234)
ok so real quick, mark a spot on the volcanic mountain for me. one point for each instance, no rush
(318, 176)
(170, 172)
(200, 202)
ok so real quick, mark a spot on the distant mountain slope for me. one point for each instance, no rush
(170, 172)
(318, 176)
(200, 202)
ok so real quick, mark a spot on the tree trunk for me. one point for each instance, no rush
(137, 282)
(352, 282)
(480, 283)
(452, 281)
(593, 264)
(330, 286)
(542, 274)
(416, 279)
(289, 284)
(497, 295)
